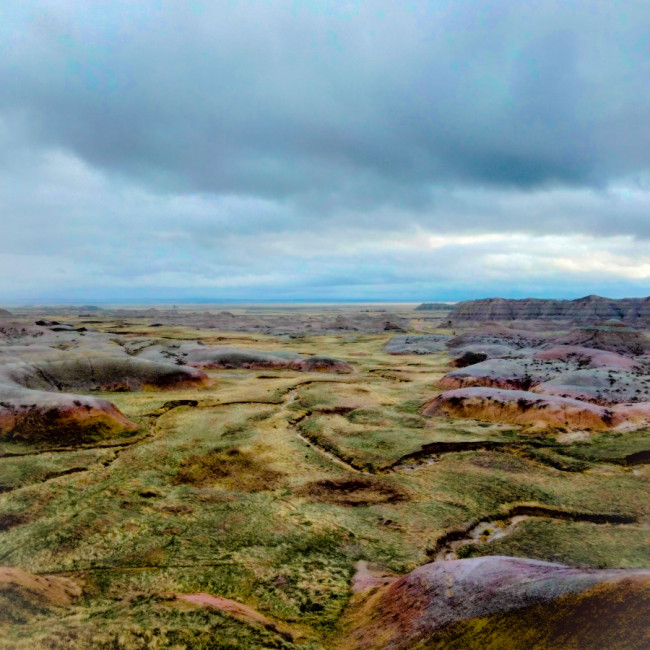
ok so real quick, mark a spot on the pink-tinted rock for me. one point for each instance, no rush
(60, 418)
(632, 416)
(516, 374)
(599, 385)
(496, 334)
(417, 608)
(587, 357)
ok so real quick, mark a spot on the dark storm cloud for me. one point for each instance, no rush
(318, 145)
(277, 98)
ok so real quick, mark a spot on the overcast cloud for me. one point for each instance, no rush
(321, 150)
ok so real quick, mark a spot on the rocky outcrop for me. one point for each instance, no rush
(587, 357)
(515, 374)
(102, 373)
(36, 405)
(537, 410)
(612, 338)
(590, 309)
(39, 416)
(495, 334)
(216, 356)
(416, 344)
(523, 407)
(599, 385)
(319, 363)
(455, 602)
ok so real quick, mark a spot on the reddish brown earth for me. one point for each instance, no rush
(23, 594)
(239, 611)
(523, 407)
(36, 416)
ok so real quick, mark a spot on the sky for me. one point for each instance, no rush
(255, 150)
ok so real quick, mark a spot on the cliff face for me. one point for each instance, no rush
(590, 309)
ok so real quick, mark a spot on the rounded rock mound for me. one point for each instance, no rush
(599, 385)
(228, 357)
(36, 403)
(522, 407)
(516, 374)
(320, 363)
(465, 603)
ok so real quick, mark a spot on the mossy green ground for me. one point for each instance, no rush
(216, 498)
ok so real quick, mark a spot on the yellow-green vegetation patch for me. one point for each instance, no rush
(576, 543)
(36, 468)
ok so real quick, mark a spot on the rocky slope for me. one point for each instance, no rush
(590, 309)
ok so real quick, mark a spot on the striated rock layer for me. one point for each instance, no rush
(590, 309)
(541, 411)
(611, 338)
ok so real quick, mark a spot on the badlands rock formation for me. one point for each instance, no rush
(613, 338)
(36, 403)
(599, 385)
(523, 407)
(585, 357)
(590, 309)
(516, 374)
(466, 602)
(213, 356)
(605, 365)
(495, 334)
(416, 344)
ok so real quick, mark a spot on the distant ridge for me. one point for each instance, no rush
(438, 306)
(588, 310)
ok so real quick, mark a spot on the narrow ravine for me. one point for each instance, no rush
(494, 527)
